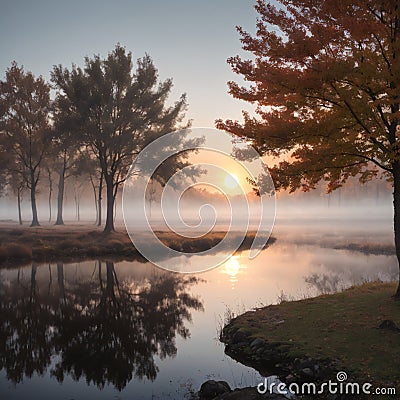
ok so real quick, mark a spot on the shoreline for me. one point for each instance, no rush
(311, 340)
(22, 245)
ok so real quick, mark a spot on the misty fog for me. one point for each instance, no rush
(355, 213)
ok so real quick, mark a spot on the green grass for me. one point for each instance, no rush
(341, 327)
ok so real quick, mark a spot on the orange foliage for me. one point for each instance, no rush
(325, 78)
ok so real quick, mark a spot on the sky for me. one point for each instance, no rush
(189, 41)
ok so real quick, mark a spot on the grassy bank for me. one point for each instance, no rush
(24, 244)
(19, 245)
(342, 327)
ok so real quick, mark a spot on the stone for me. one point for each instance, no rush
(239, 336)
(211, 389)
(290, 379)
(257, 343)
(306, 363)
(389, 325)
(307, 371)
(238, 345)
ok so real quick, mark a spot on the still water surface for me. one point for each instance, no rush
(128, 330)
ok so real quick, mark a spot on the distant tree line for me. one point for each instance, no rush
(100, 118)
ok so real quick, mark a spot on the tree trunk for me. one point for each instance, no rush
(77, 198)
(50, 206)
(78, 214)
(109, 227)
(50, 191)
(35, 219)
(100, 198)
(19, 206)
(95, 197)
(60, 196)
(396, 206)
(115, 210)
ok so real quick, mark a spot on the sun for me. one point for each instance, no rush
(231, 181)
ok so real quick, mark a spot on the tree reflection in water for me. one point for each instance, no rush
(100, 329)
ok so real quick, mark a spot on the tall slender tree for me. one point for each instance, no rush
(88, 165)
(50, 181)
(325, 76)
(119, 110)
(65, 163)
(17, 185)
(67, 141)
(24, 124)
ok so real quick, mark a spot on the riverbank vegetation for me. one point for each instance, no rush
(19, 245)
(354, 331)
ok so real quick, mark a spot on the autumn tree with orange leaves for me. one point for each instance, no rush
(325, 76)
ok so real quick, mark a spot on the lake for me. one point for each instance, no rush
(128, 330)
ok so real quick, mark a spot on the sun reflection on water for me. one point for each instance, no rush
(232, 268)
